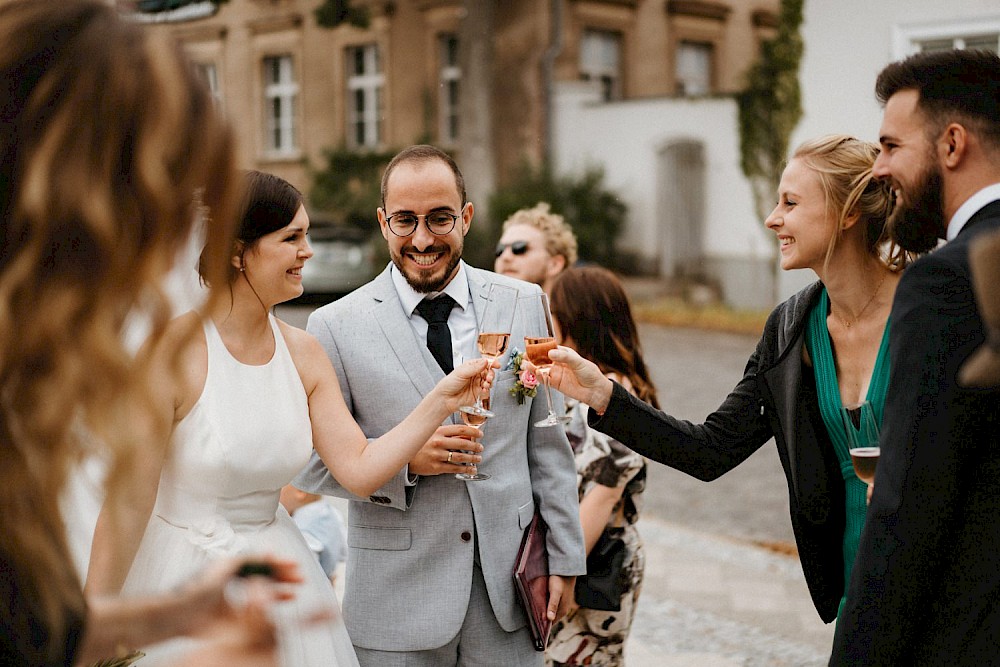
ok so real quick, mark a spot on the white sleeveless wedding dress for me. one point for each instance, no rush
(246, 437)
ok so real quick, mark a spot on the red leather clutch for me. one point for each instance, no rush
(531, 580)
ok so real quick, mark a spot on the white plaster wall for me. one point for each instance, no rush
(847, 43)
(626, 139)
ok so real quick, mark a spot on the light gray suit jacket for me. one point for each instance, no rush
(409, 570)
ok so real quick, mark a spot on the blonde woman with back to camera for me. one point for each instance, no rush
(823, 348)
(108, 147)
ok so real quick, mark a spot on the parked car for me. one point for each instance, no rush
(343, 260)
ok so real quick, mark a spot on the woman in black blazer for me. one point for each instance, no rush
(823, 348)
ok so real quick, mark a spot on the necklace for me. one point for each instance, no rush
(847, 323)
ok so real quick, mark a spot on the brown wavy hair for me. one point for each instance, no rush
(592, 309)
(110, 149)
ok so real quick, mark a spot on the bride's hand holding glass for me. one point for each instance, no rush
(469, 380)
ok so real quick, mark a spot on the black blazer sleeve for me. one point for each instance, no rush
(705, 451)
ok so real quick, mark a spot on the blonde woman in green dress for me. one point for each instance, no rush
(823, 348)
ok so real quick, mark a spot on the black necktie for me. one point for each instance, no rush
(436, 312)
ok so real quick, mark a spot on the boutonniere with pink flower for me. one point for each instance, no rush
(526, 385)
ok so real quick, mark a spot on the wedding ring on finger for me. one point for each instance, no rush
(449, 456)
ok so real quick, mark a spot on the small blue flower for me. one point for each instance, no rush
(514, 362)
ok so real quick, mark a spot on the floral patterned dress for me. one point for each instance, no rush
(592, 636)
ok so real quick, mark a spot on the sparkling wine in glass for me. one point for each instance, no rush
(494, 335)
(538, 342)
(862, 439)
(476, 419)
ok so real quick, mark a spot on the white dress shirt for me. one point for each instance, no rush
(972, 205)
(461, 321)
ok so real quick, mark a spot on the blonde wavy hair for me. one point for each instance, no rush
(110, 148)
(559, 236)
(844, 166)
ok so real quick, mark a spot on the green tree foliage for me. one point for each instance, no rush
(596, 214)
(770, 107)
(348, 189)
(333, 13)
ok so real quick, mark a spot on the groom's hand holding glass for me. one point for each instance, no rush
(449, 450)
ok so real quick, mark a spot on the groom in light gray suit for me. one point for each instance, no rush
(430, 562)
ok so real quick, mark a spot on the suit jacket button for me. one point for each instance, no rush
(466, 536)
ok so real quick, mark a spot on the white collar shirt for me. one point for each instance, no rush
(972, 205)
(461, 321)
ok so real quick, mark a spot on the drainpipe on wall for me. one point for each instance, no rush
(548, 67)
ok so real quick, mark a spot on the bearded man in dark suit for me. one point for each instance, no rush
(925, 589)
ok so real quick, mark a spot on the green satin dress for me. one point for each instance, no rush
(828, 391)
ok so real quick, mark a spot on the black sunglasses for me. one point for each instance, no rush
(516, 247)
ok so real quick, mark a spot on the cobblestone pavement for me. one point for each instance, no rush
(711, 601)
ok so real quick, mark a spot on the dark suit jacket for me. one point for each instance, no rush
(925, 588)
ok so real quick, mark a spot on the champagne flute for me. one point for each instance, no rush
(539, 340)
(862, 439)
(494, 335)
(476, 419)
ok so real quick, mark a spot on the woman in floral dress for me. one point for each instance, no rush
(592, 316)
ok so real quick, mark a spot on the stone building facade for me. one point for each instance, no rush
(294, 88)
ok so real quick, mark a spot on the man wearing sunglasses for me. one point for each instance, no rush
(536, 246)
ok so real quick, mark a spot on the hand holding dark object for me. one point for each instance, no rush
(224, 587)
(235, 627)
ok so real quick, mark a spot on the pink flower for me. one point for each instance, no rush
(528, 379)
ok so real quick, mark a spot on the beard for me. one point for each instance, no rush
(918, 224)
(426, 280)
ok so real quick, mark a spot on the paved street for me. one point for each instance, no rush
(694, 371)
(719, 590)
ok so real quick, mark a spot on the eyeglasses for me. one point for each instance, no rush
(439, 223)
(516, 247)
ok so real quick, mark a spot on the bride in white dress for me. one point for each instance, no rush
(256, 396)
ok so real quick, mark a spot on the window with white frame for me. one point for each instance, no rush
(365, 82)
(979, 33)
(209, 73)
(694, 68)
(600, 60)
(985, 42)
(280, 95)
(450, 79)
